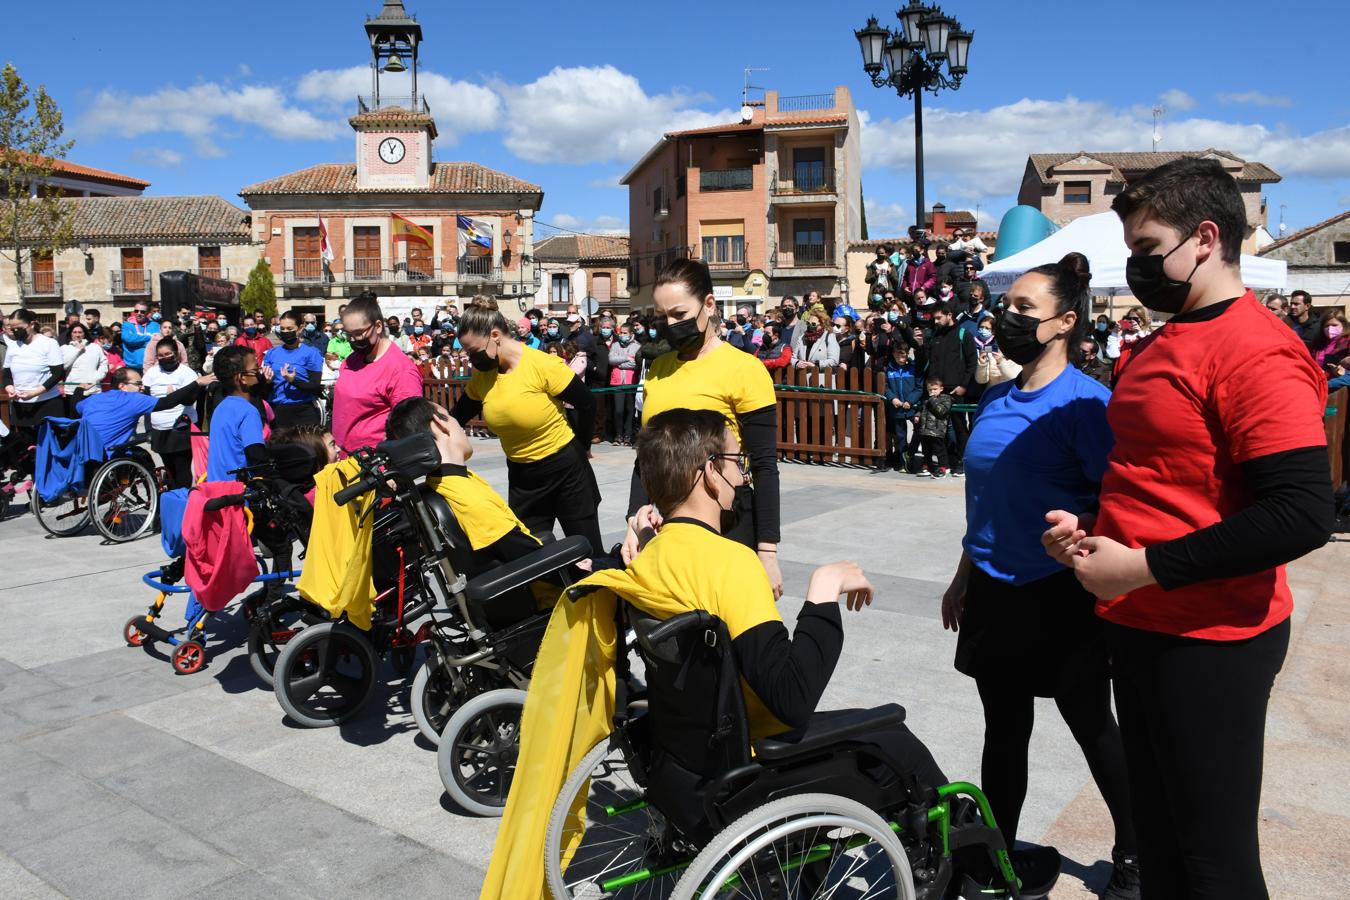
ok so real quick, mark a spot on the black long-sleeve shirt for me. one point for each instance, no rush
(788, 673)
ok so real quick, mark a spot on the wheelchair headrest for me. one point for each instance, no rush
(461, 551)
(414, 456)
(293, 462)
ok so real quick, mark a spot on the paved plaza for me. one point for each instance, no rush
(119, 778)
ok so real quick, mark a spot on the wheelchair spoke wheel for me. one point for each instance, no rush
(124, 498)
(813, 846)
(271, 628)
(325, 674)
(478, 749)
(434, 699)
(603, 840)
(64, 516)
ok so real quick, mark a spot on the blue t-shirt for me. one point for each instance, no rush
(306, 360)
(113, 414)
(1029, 453)
(235, 424)
(135, 337)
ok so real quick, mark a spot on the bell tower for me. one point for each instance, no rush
(394, 127)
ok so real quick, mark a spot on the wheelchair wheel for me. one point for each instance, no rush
(123, 499)
(477, 753)
(270, 630)
(810, 845)
(433, 700)
(325, 674)
(612, 834)
(66, 515)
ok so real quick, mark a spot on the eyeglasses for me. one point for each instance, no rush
(1133, 319)
(742, 461)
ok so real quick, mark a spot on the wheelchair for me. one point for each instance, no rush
(122, 499)
(280, 515)
(480, 634)
(677, 802)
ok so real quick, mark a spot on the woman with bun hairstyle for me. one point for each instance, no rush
(1027, 628)
(702, 371)
(520, 392)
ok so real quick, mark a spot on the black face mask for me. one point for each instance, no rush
(21, 335)
(362, 345)
(395, 330)
(289, 337)
(741, 320)
(482, 362)
(258, 387)
(789, 315)
(1148, 282)
(1016, 336)
(168, 365)
(684, 335)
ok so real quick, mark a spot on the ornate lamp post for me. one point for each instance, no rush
(910, 60)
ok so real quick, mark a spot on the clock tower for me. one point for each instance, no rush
(394, 130)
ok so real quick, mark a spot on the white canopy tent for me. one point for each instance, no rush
(1101, 238)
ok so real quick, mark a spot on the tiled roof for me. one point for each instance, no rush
(393, 116)
(874, 243)
(147, 219)
(1302, 233)
(1143, 161)
(718, 129)
(76, 170)
(955, 217)
(581, 247)
(781, 120)
(446, 178)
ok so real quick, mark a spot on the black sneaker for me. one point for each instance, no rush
(1038, 870)
(1124, 883)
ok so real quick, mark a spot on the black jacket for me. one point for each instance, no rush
(952, 356)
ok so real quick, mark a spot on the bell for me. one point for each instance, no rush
(395, 64)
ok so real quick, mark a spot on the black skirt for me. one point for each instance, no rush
(1044, 635)
(561, 487)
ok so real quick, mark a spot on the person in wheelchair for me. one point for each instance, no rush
(113, 414)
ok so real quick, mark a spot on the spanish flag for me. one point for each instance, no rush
(403, 230)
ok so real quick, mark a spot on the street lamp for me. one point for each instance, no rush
(910, 59)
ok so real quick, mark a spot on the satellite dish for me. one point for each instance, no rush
(747, 113)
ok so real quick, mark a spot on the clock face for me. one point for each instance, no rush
(391, 150)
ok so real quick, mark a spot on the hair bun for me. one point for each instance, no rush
(1076, 264)
(481, 302)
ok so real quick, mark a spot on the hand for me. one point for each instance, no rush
(29, 395)
(954, 603)
(331, 357)
(11, 390)
(86, 387)
(206, 379)
(265, 373)
(802, 364)
(1108, 568)
(958, 392)
(895, 401)
(908, 405)
(288, 372)
(1061, 539)
(642, 527)
(843, 577)
(769, 560)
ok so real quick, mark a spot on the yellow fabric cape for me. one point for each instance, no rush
(570, 708)
(337, 571)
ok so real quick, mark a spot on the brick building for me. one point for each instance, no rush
(770, 202)
(943, 223)
(589, 270)
(472, 227)
(1319, 260)
(1065, 186)
(70, 179)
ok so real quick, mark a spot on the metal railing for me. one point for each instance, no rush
(477, 268)
(368, 103)
(130, 282)
(220, 272)
(804, 256)
(803, 181)
(42, 284)
(304, 269)
(365, 269)
(740, 262)
(806, 102)
(742, 179)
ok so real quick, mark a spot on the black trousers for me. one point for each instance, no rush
(1193, 719)
(559, 488)
(623, 412)
(960, 433)
(289, 415)
(934, 448)
(175, 449)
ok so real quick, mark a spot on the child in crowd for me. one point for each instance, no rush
(904, 393)
(933, 419)
(236, 426)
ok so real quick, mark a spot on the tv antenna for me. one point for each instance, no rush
(1282, 225)
(747, 87)
(1158, 113)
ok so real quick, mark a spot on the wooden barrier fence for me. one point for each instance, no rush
(1338, 426)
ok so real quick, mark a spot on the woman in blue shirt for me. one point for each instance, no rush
(1027, 628)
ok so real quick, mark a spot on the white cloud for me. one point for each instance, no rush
(1177, 100)
(602, 224)
(200, 113)
(609, 181)
(1255, 98)
(459, 107)
(590, 114)
(885, 220)
(244, 70)
(159, 156)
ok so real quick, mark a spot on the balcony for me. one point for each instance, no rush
(305, 270)
(367, 103)
(130, 282)
(726, 179)
(726, 261)
(804, 184)
(371, 271)
(41, 284)
(804, 256)
(220, 272)
(806, 103)
(477, 270)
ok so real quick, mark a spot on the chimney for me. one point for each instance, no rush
(939, 226)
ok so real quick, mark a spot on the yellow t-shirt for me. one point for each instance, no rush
(729, 381)
(480, 511)
(522, 405)
(694, 567)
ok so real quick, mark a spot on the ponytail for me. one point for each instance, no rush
(481, 315)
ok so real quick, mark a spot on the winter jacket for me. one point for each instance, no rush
(934, 414)
(905, 385)
(824, 352)
(775, 356)
(623, 362)
(952, 357)
(919, 275)
(995, 369)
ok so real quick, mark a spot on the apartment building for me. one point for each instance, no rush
(770, 202)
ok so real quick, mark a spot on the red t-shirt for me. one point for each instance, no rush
(1196, 401)
(365, 392)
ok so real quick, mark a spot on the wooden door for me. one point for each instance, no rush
(208, 262)
(366, 252)
(133, 270)
(44, 275)
(600, 287)
(307, 264)
(421, 258)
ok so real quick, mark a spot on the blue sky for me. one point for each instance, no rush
(206, 98)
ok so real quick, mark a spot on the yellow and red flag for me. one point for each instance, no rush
(404, 230)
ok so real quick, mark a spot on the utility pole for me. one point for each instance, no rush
(1158, 113)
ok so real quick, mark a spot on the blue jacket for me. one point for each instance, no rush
(65, 447)
(905, 385)
(134, 339)
(844, 309)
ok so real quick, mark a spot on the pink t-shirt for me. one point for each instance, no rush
(364, 394)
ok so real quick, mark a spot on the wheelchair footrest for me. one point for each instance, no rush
(152, 630)
(831, 729)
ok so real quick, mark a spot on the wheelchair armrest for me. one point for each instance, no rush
(544, 561)
(831, 730)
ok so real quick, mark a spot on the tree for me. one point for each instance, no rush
(862, 205)
(259, 297)
(31, 221)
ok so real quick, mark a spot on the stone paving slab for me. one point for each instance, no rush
(111, 765)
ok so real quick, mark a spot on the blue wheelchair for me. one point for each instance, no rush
(117, 489)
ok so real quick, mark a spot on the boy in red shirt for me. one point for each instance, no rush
(1219, 477)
